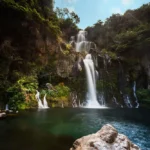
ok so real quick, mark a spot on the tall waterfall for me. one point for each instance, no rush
(90, 73)
(134, 93)
(40, 105)
(83, 45)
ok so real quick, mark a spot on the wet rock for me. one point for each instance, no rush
(107, 138)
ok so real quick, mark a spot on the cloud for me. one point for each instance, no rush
(71, 1)
(116, 11)
(127, 2)
(70, 4)
(71, 9)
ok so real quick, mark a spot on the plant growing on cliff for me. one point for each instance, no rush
(144, 97)
(22, 94)
(58, 95)
(110, 54)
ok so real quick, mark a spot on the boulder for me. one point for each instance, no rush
(107, 138)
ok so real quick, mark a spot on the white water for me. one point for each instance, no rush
(90, 74)
(83, 45)
(101, 99)
(40, 105)
(6, 107)
(127, 101)
(134, 92)
(96, 74)
(45, 105)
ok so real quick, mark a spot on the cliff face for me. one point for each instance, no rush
(123, 48)
(24, 40)
(24, 49)
(34, 51)
(31, 50)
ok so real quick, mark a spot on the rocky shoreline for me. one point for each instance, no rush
(107, 138)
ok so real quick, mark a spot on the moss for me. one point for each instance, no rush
(143, 95)
(112, 55)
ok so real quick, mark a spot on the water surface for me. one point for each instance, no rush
(59, 128)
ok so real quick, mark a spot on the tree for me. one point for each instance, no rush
(64, 14)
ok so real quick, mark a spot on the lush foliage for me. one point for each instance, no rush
(30, 47)
(144, 96)
(122, 32)
(34, 51)
(123, 42)
(57, 95)
(22, 93)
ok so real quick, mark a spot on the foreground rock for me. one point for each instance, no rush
(107, 138)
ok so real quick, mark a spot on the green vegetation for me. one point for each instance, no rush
(123, 42)
(111, 54)
(59, 95)
(34, 50)
(144, 96)
(22, 93)
(31, 35)
(34, 10)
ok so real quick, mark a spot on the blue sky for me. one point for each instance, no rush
(90, 11)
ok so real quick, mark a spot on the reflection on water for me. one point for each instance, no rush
(58, 128)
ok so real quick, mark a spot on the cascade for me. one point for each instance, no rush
(62, 105)
(127, 101)
(101, 99)
(40, 105)
(90, 73)
(134, 93)
(115, 100)
(45, 105)
(83, 45)
(96, 74)
(6, 107)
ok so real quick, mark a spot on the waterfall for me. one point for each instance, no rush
(83, 45)
(6, 107)
(127, 101)
(45, 105)
(101, 99)
(115, 100)
(62, 105)
(90, 73)
(37, 96)
(96, 74)
(134, 93)
(40, 105)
